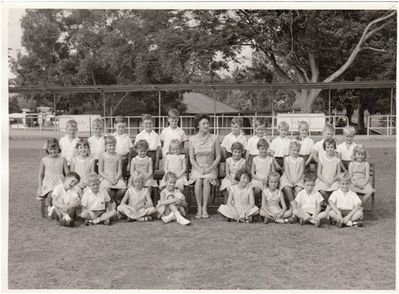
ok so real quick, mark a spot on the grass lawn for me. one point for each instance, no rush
(209, 254)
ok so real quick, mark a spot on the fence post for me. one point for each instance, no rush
(368, 126)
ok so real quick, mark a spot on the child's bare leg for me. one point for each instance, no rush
(110, 193)
(198, 196)
(288, 213)
(289, 194)
(179, 218)
(357, 215)
(226, 194)
(119, 195)
(206, 194)
(323, 214)
(105, 216)
(300, 213)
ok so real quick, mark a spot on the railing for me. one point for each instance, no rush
(383, 124)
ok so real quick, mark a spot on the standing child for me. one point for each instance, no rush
(318, 150)
(233, 164)
(308, 203)
(236, 135)
(251, 150)
(240, 204)
(306, 142)
(345, 205)
(143, 163)
(152, 138)
(280, 146)
(52, 169)
(110, 169)
(96, 203)
(68, 142)
(123, 144)
(294, 166)
(273, 203)
(96, 142)
(172, 203)
(345, 149)
(173, 132)
(82, 164)
(177, 163)
(65, 200)
(137, 203)
(359, 171)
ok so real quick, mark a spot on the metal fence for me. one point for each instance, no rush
(383, 124)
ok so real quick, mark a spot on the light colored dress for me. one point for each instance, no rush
(294, 169)
(359, 177)
(234, 166)
(82, 168)
(53, 174)
(111, 170)
(143, 165)
(263, 167)
(204, 152)
(272, 201)
(165, 195)
(241, 200)
(137, 206)
(175, 164)
(328, 171)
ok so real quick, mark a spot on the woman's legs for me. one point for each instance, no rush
(198, 196)
(206, 193)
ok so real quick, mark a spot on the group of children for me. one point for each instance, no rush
(103, 178)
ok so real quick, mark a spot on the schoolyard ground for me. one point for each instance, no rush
(209, 254)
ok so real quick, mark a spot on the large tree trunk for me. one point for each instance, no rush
(360, 117)
(304, 99)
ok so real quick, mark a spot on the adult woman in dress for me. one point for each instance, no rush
(205, 155)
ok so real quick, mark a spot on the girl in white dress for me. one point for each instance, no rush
(241, 203)
(137, 203)
(306, 142)
(177, 163)
(291, 181)
(82, 164)
(233, 164)
(273, 203)
(359, 171)
(143, 163)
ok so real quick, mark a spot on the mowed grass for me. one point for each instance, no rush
(209, 254)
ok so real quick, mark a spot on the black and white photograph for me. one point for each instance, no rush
(244, 146)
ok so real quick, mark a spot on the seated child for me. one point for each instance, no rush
(65, 200)
(123, 144)
(171, 205)
(345, 149)
(82, 164)
(306, 142)
(273, 203)
(280, 146)
(173, 132)
(177, 163)
(137, 203)
(96, 142)
(68, 142)
(294, 166)
(233, 164)
(236, 135)
(240, 204)
(308, 203)
(251, 149)
(318, 150)
(96, 203)
(345, 205)
(359, 171)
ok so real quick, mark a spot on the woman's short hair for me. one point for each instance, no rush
(237, 146)
(243, 171)
(198, 118)
(329, 141)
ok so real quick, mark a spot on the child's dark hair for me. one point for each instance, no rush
(52, 143)
(243, 171)
(329, 141)
(309, 177)
(119, 119)
(237, 146)
(262, 143)
(82, 142)
(173, 112)
(73, 174)
(142, 145)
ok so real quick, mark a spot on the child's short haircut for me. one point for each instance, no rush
(309, 177)
(173, 113)
(329, 141)
(93, 177)
(110, 140)
(142, 145)
(52, 143)
(119, 119)
(73, 174)
(82, 142)
(170, 175)
(260, 122)
(294, 144)
(262, 143)
(283, 125)
(174, 142)
(98, 122)
(244, 171)
(360, 148)
(303, 124)
(275, 175)
(328, 127)
(345, 178)
(71, 123)
(146, 117)
(237, 146)
(237, 121)
(349, 130)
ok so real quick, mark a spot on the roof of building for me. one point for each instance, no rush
(200, 103)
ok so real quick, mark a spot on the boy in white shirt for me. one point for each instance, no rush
(172, 132)
(68, 142)
(123, 144)
(346, 205)
(96, 203)
(345, 149)
(280, 146)
(307, 143)
(251, 150)
(97, 142)
(318, 150)
(236, 135)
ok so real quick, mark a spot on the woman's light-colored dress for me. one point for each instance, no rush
(294, 169)
(241, 200)
(272, 201)
(263, 167)
(53, 174)
(111, 170)
(143, 165)
(175, 164)
(329, 172)
(359, 177)
(234, 166)
(137, 206)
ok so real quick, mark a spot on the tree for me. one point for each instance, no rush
(13, 105)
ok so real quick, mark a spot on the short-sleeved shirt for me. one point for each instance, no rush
(280, 146)
(252, 147)
(97, 146)
(68, 147)
(346, 151)
(123, 144)
(152, 139)
(229, 139)
(66, 196)
(95, 202)
(306, 146)
(168, 134)
(309, 201)
(318, 146)
(345, 201)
